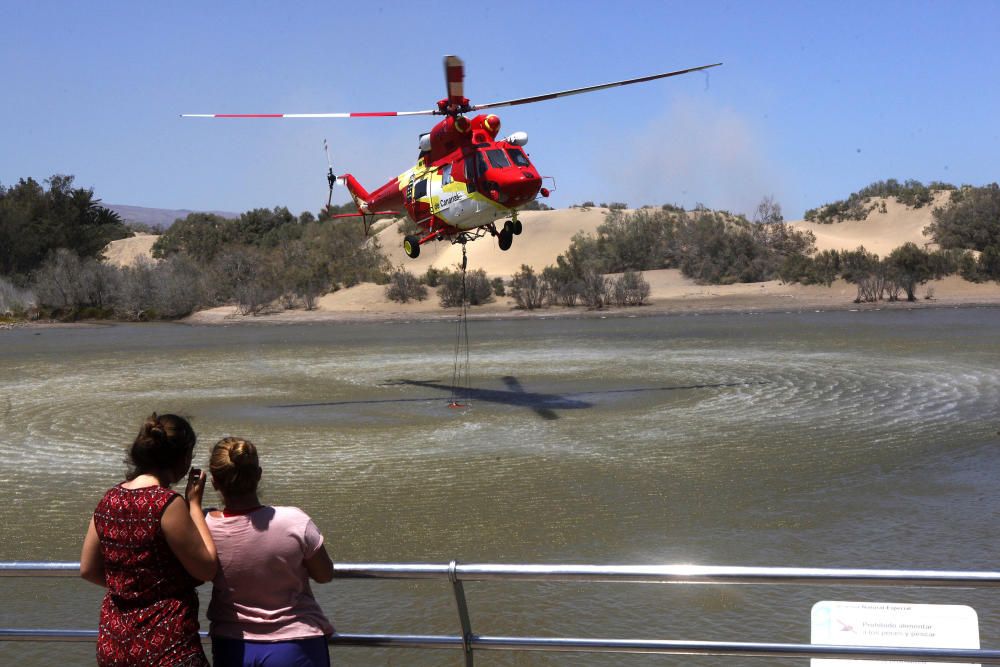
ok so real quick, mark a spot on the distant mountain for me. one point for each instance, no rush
(158, 217)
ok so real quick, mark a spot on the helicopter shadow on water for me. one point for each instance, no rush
(542, 404)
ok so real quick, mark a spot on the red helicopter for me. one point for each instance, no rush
(465, 179)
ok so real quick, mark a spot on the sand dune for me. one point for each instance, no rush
(880, 233)
(126, 252)
(547, 234)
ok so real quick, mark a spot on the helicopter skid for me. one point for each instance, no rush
(436, 234)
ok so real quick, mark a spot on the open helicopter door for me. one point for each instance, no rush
(436, 180)
(450, 201)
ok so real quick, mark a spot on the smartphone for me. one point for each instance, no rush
(194, 474)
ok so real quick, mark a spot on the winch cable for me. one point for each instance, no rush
(460, 373)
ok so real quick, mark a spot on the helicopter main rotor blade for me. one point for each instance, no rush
(370, 114)
(588, 89)
(454, 74)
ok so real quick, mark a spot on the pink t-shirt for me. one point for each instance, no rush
(261, 590)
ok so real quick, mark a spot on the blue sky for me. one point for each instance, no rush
(814, 101)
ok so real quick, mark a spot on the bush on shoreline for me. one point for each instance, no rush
(475, 289)
(970, 220)
(404, 287)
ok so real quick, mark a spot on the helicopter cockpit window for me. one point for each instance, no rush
(471, 176)
(420, 189)
(497, 158)
(518, 157)
(445, 175)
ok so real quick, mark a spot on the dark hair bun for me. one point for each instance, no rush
(164, 441)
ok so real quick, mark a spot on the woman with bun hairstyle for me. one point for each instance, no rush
(263, 610)
(150, 547)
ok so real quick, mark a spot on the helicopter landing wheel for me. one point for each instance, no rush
(505, 239)
(411, 246)
(517, 227)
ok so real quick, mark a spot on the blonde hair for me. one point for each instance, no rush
(235, 466)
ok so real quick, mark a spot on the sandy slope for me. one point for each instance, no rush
(547, 234)
(880, 233)
(126, 252)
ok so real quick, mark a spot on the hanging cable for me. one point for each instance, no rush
(460, 373)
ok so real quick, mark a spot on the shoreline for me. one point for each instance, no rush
(290, 318)
(670, 292)
(301, 317)
(669, 297)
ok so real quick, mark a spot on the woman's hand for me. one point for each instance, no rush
(186, 531)
(188, 536)
(195, 487)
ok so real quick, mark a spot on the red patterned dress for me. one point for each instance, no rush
(150, 613)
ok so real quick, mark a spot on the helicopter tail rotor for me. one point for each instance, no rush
(331, 179)
(365, 202)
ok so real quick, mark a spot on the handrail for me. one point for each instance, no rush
(468, 642)
(679, 574)
(19, 568)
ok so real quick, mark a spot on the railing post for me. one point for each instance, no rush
(463, 612)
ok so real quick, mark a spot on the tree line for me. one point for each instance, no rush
(603, 269)
(966, 230)
(717, 247)
(51, 239)
(530, 290)
(36, 221)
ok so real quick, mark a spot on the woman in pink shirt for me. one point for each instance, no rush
(262, 609)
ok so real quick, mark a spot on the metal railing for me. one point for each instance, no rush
(469, 642)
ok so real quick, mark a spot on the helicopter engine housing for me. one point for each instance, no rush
(518, 138)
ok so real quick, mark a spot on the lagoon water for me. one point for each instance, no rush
(838, 439)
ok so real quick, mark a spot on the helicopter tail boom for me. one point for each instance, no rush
(358, 193)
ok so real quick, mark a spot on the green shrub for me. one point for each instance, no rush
(562, 285)
(594, 289)
(858, 204)
(35, 222)
(476, 288)
(528, 289)
(709, 246)
(969, 220)
(407, 227)
(404, 287)
(968, 268)
(432, 277)
(989, 262)
(499, 289)
(909, 266)
(629, 289)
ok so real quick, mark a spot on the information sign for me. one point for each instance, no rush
(892, 624)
